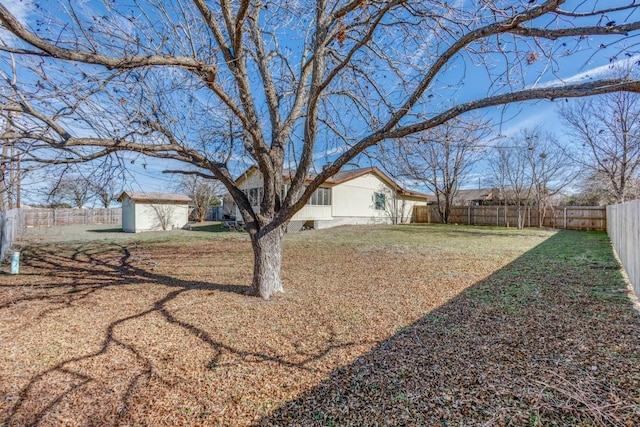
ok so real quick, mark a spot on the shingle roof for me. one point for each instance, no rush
(152, 197)
(474, 194)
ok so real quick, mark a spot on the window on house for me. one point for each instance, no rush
(380, 201)
(322, 196)
(254, 195)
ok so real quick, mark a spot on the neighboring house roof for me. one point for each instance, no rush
(344, 176)
(480, 194)
(150, 197)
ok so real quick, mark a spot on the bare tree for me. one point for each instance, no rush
(551, 167)
(73, 189)
(512, 173)
(529, 169)
(594, 189)
(11, 173)
(293, 78)
(441, 158)
(106, 190)
(608, 127)
(203, 192)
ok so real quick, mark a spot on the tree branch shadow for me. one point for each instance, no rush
(94, 269)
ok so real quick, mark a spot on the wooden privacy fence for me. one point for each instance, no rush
(55, 217)
(623, 228)
(569, 217)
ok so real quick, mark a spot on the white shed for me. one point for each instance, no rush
(144, 211)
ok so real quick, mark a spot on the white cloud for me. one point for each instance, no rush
(21, 9)
(593, 73)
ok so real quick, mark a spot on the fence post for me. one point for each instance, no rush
(468, 215)
(565, 217)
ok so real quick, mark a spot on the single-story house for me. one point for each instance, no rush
(144, 211)
(357, 196)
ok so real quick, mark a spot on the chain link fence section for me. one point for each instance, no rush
(11, 226)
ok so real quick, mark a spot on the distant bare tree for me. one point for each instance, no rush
(551, 167)
(204, 193)
(106, 184)
(440, 158)
(293, 78)
(594, 189)
(512, 175)
(74, 189)
(608, 128)
(530, 169)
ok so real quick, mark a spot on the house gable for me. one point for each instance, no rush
(356, 197)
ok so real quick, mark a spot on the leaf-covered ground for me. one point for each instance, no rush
(378, 326)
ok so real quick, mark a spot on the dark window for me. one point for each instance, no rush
(380, 201)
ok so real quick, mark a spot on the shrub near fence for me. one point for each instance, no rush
(569, 217)
(11, 225)
(623, 228)
(56, 217)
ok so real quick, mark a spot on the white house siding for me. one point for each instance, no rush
(313, 212)
(128, 216)
(355, 198)
(405, 208)
(354, 201)
(253, 180)
(147, 216)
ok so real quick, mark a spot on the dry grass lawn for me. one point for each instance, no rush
(378, 326)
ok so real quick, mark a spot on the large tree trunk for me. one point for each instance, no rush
(267, 253)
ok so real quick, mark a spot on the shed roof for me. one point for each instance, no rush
(152, 197)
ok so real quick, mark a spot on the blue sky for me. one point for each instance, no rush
(582, 66)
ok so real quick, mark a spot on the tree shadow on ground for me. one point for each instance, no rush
(82, 271)
(207, 227)
(551, 339)
(86, 269)
(106, 230)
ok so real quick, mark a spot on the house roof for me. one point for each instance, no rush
(347, 175)
(475, 194)
(151, 197)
